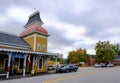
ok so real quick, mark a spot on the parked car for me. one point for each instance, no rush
(97, 65)
(59, 68)
(103, 65)
(66, 68)
(50, 67)
(110, 65)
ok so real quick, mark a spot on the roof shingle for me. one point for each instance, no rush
(35, 17)
(12, 40)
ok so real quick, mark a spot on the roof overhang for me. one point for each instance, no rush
(28, 52)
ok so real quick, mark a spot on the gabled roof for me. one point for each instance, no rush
(35, 17)
(12, 40)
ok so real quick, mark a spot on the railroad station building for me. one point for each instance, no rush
(26, 53)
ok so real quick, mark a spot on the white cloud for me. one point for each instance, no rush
(77, 22)
(114, 40)
(74, 32)
(3, 20)
(69, 30)
(19, 14)
(79, 7)
(91, 51)
(113, 30)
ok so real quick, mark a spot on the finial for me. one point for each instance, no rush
(35, 9)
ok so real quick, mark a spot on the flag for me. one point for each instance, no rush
(29, 60)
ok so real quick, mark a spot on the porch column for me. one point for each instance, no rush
(33, 63)
(46, 62)
(56, 60)
(24, 65)
(47, 59)
(8, 67)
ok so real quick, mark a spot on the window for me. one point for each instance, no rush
(21, 62)
(40, 63)
(43, 47)
(38, 46)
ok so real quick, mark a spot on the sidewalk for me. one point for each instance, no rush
(18, 76)
(85, 68)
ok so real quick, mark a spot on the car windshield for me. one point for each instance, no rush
(62, 66)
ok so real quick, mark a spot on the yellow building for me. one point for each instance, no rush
(35, 35)
(27, 53)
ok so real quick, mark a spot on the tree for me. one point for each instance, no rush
(86, 57)
(79, 55)
(117, 49)
(104, 51)
(72, 57)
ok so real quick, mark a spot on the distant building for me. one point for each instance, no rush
(116, 60)
(92, 60)
(28, 52)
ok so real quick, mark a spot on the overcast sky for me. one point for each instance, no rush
(71, 24)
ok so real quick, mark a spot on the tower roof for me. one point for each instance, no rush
(33, 18)
(34, 25)
(37, 29)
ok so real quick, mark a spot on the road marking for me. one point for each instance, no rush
(75, 76)
(68, 77)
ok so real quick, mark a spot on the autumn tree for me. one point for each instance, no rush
(104, 51)
(72, 57)
(79, 55)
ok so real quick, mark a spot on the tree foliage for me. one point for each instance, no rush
(104, 51)
(79, 55)
(117, 49)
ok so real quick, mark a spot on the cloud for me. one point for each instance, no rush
(18, 13)
(71, 24)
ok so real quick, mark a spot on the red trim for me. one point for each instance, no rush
(33, 29)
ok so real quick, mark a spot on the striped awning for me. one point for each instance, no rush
(29, 52)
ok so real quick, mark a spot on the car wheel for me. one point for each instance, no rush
(75, 70)
(66, 71)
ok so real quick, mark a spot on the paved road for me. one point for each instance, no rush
(84, 75)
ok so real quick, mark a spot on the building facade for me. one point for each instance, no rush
(28, 52)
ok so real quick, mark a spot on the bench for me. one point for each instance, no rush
(3, 74)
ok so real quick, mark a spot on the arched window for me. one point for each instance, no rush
(40, 63)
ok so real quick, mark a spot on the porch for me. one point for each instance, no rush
(16, 62)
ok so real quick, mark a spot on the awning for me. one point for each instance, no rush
(29, 52)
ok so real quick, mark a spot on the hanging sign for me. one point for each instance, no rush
(15, 55)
